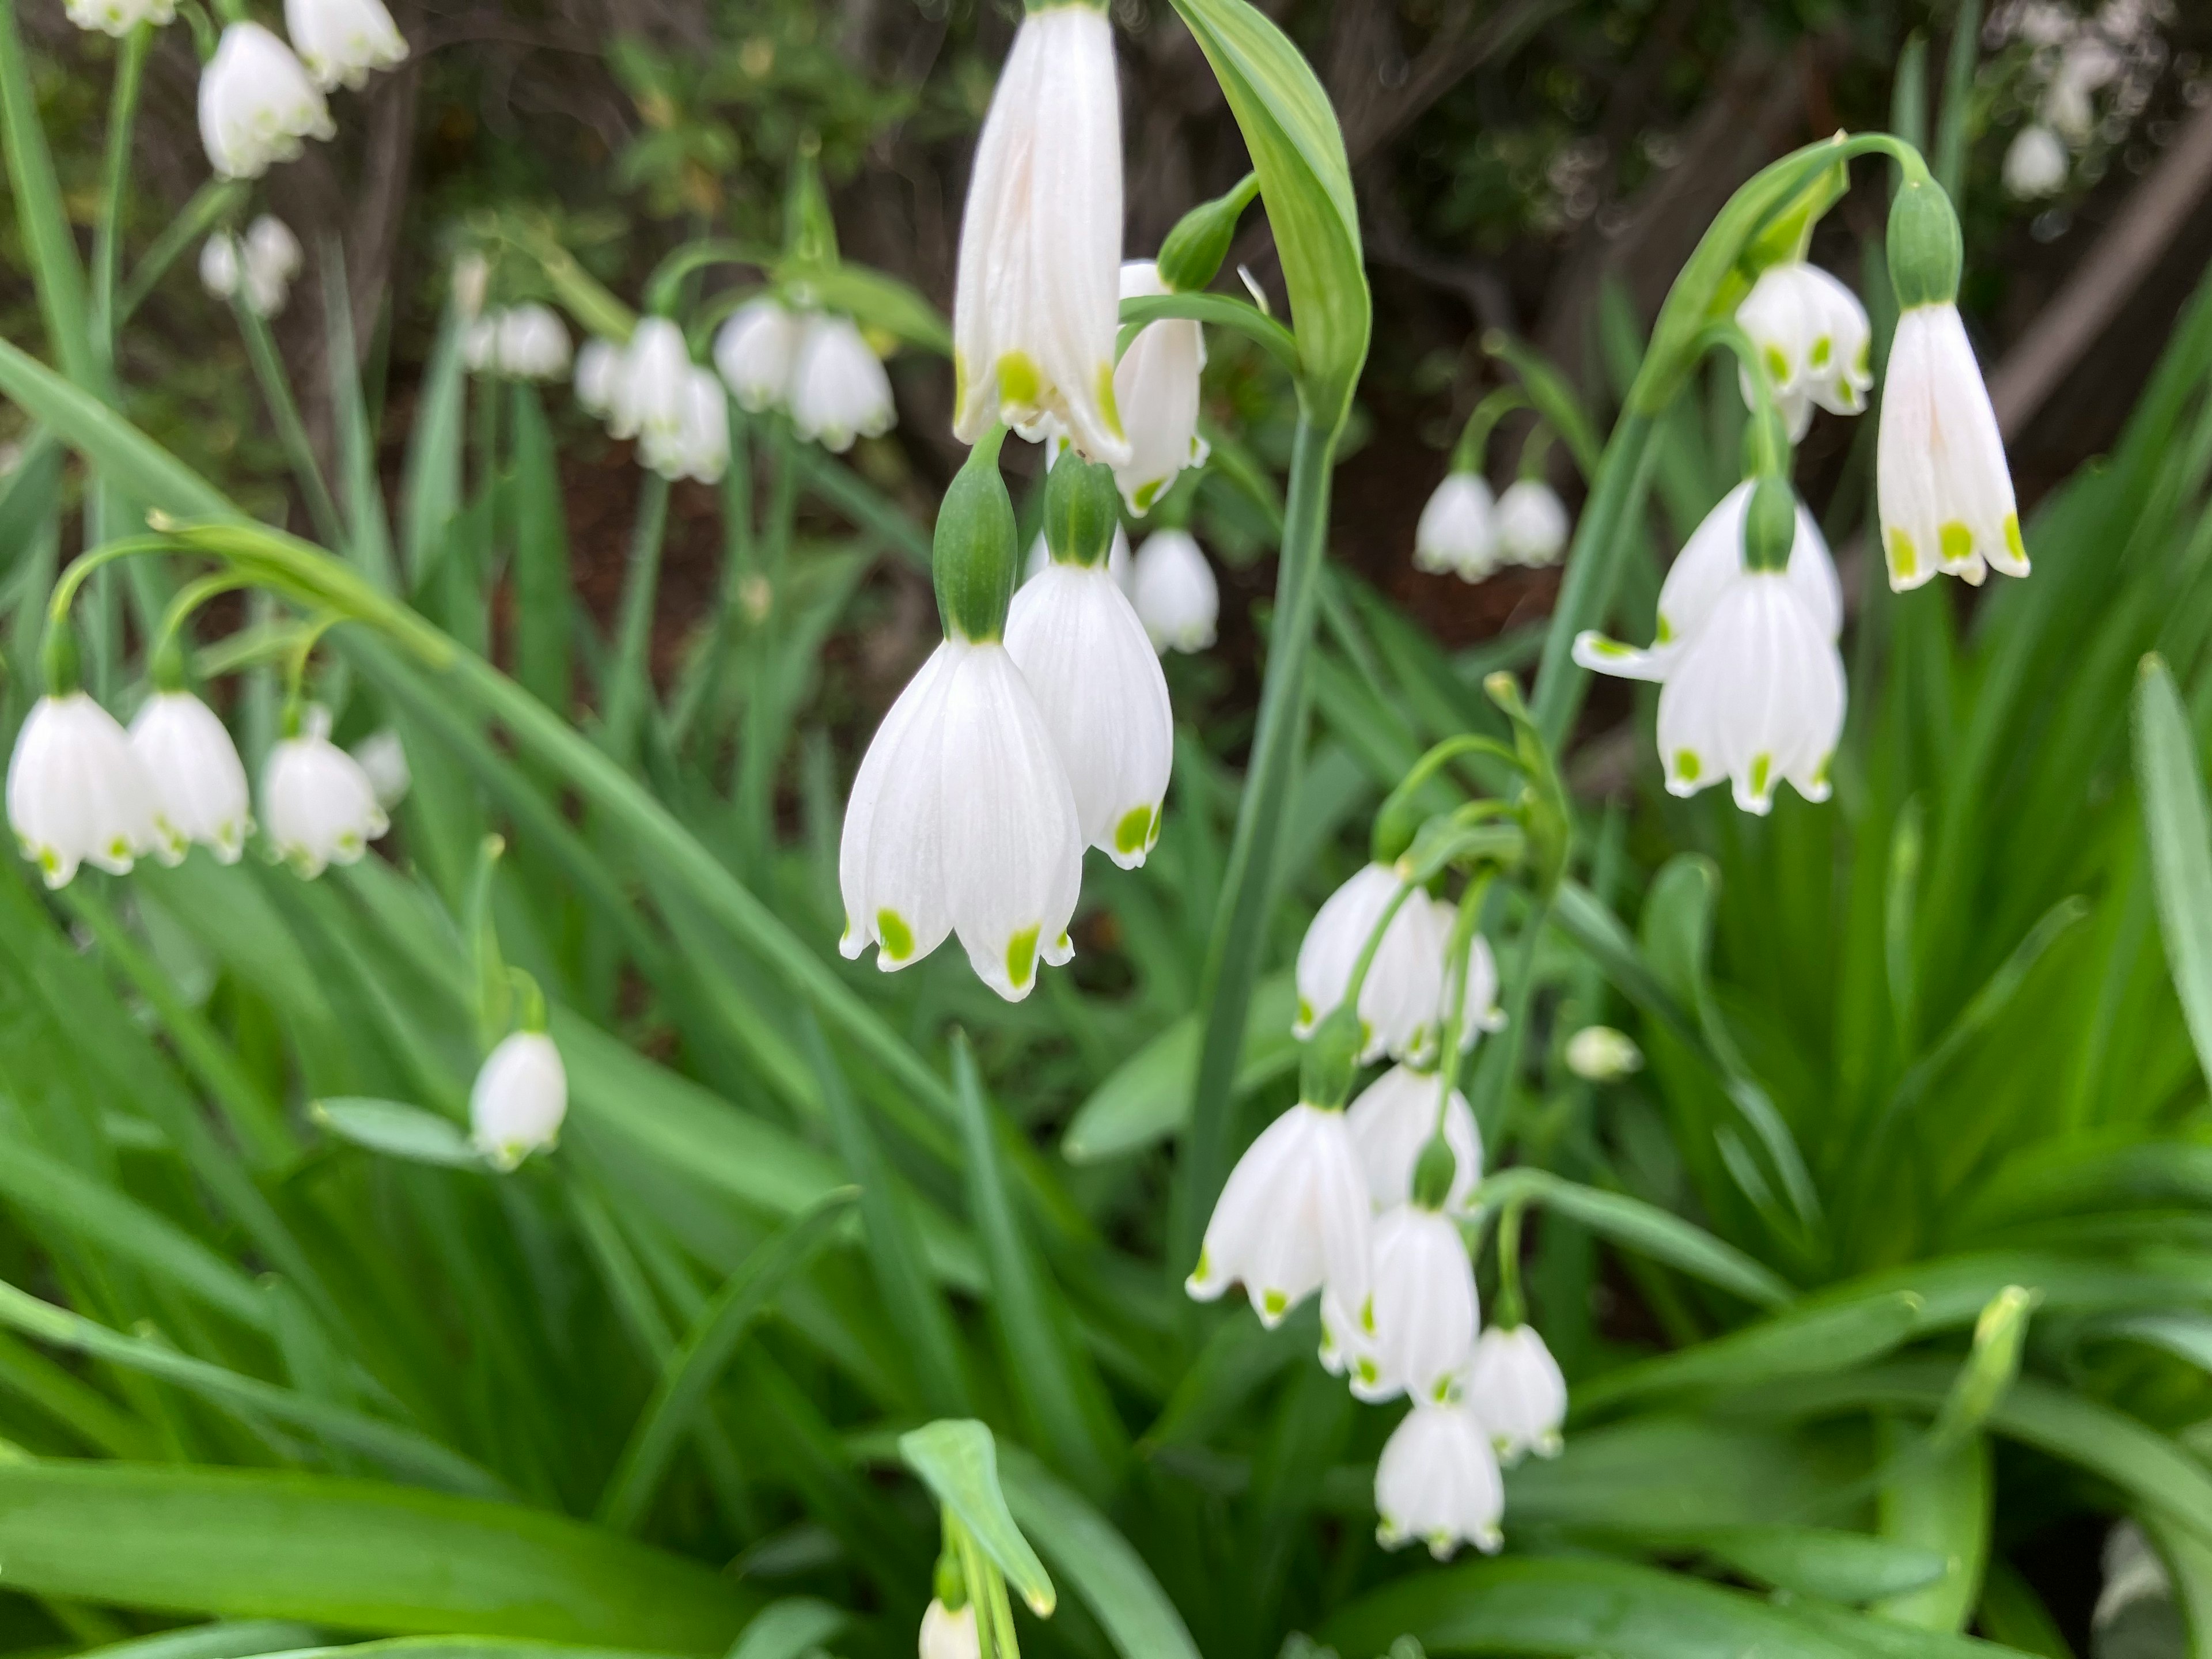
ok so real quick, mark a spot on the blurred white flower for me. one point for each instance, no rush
(1532, 524)
(839, 391)
(1944, 492)
(119, 17)
(1418, 1320)
(1391, 1121)
(472, 284)
(699, 447)
(1601, 1054)
(1097, 683)
(1813, 340)
(518, 1099)
(1036, 299)
(755, 349)
(2036, 163)
(598, 371)
(1174, 591)
(384, 758)
(1437, 1482)
(532, 343)
(1293, 1217)
(962, 820)
(273, 257)
(1458, 530)
(949, 1632)
(257, 104)
(1514, 1385)
(340, 41)
(197, 779)
(1156, 385)
(1400, 996)
(317, 803)
(78, 793)
(1479, 1014)
(650, 397)
(219, 264)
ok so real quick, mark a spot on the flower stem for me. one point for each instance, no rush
(130, 78)
(629, 678)
(291, 430)
(1601, 543)
(1232, 959)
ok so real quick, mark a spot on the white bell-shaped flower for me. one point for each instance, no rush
(271, 257)
(221, 266)
(2036, 163)
(532, 343)
(1438, 1483)
(384, 758)
(1174, 591)
(1097, 683)
(257, 104)
(518, 1099)
(1400, 996)
(1813, 340)
(317, 804)
(199, 781)
(1293, 1217)
(962, 820)
(78, 793)
(1514, 1386)
(755, 349)
(839, 391)
(599, 374)
(949, 1632)
(1532, 524)
(1478, 1014)
(1156, 385)
(1391, 1118)
(1599, 1054)
(699, 447)
(1420, 1314)
(652, 395)
(480, 344)
(472, 284)
(119, 17)
(1944, 493)
(340, 41)
(1458, 530)
(1036, 299)
(1119, 564)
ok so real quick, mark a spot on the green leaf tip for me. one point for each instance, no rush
(958, 1459)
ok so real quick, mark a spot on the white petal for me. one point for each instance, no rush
(1458, 528)
(755, 349)
(890, 862)
(839, 391)
(197, 779)
(1532, 524)
(1944, 491)
(1758, 697)
(1423, 1306)
(1391, 1121)
(1515, 1387)
(518, 1099)
(1174, 591)
(318, 804)
(1437, 1482)
(1156, 385)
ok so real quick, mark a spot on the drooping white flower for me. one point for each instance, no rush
(2036, 163)
(78, 793)
(340, 41)
(384, 758)
(1813, 340)
(1458, 530)
(119, 17)
(1156, 385)
(1514, 1386)
(1479, 1014)
(1293, 1217)
(1399, 998)
(1036, 300)
(949, 1632)
(1600, 1054)
(472, 284)
(1420, 1313)
(1944, 492)
(1756, 697)
(1532, 524)
(651, 397)
(755, 349)
(839, 391)
(598, 371)
(1391, 1121)
(257, 104)
(272, 258)
(1097, 683)
(1174, 590)
(962, 820)
(1119, 564)
(532, 343)
(518, 1099)
(197, 778)
(1437, 1482)
(317, 804)
(480, 344)
(699, 447)
(219, 264)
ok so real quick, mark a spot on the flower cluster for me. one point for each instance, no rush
(1400, 1005)
(650, 390)
(817, 367)
(2115, 51)
(1467, 532)
(527, 342)
(256, 269)
(258, 99)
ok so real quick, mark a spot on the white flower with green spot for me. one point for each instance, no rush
(1438, 1483)
(317, 805)
(1155, 386)
(340, 41)
(1515, 1387)
(1403, 992)
(1417, 1323)
(839, 391)
(1458, 529)
(78, 793)
(1532, 524)
(1175, 592)
(257, 104)
(1036, 298)
(949, 1632)
(1391, 1121)
(650, 396)
(197, 778)
(518, 1099)
(961, 821)
(1944, 491)
(1293, 1218)
(754, 350)
(1812, 339)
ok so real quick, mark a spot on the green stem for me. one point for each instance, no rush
(1232, 960)
(122, 110)
(631, 674)
(665, 286)
(1470, 451)
(291, 430)
(1511, 1308)
(82, 568)
(211, 202)
(41, 219)
(1593, 562)
(1459, 954)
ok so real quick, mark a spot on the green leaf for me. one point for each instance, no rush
(1837, 1566)
(1305, 181)
(1221, 310)
(870, 298)
(790, 1629)
(354, 1555)
(398, 1131)
(2180, 833)
(1936, 1499)
(127, 457)
(1108, 1574)
(958, 1461)
(40, 217)
(223, 1639)
(1805, 1339)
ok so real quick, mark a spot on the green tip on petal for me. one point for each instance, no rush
(1021, 957)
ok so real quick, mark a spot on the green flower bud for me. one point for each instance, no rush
(972, 558)
(1192, 255)
(1331, 1060)
(1925, 252)
(1769, 526)
(1082, 510)
(1433, 1174)
(947, 1584)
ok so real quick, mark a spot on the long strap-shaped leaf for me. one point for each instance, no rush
(2180, 833)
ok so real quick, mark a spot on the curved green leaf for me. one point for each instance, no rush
(397, 1130)
(224, 1638)
(2180, 833)
(790, 1629)
(1837, 1566)
(1804, 1340)
(1222, 310)
(1109, 1575)
(958, 1461)
(872, 299)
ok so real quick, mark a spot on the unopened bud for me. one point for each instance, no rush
(1331, 1060)
(1082, 510)
(1601, 1054)
(972, 556)
(1192, 255)
(1925, 250)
